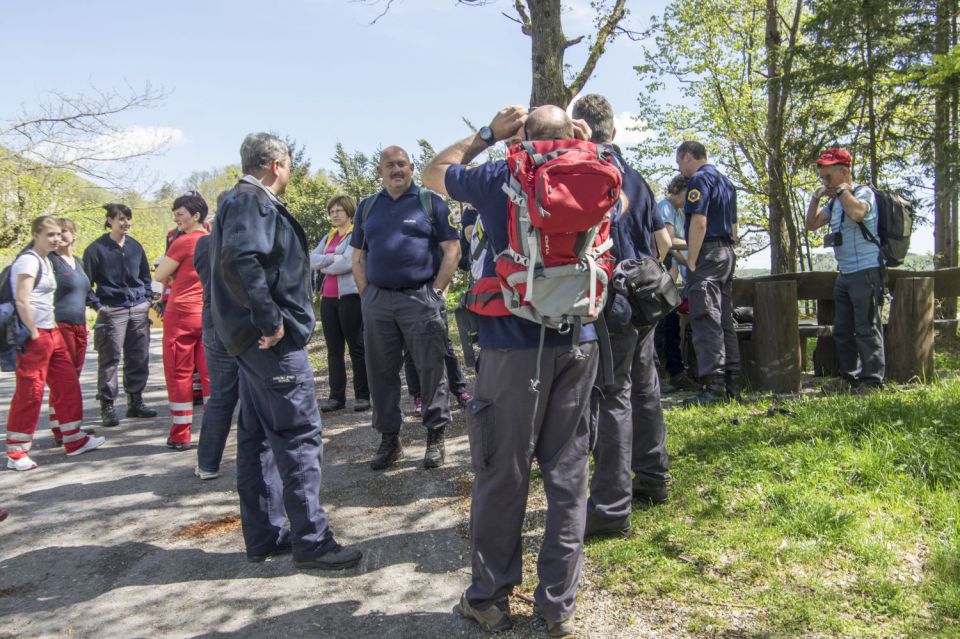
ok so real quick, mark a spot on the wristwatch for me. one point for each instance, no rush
(839, 191)
(486, 134)
(438, 292)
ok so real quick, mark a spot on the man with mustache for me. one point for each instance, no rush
(406, 252)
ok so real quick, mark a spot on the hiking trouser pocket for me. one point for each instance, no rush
(479, 422)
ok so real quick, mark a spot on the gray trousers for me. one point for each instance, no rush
(710, 291)
(857, 327)
(505, 435)
(392, 319)
(128, 330)
(628, 420)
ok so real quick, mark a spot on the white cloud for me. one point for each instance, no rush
(126, 142)
(630, 129)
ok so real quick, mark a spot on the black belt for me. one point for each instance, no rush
(405, 289)
(717, 241)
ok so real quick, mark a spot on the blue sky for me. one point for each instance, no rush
(314, 70)
(317, 71)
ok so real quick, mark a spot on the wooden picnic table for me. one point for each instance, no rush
(773, 348)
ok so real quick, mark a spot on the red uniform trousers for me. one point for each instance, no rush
(75, 339)
(182, 354)
(45, 360)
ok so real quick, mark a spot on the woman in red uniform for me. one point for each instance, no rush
(45, 359)
(182, 326)
(69, 305)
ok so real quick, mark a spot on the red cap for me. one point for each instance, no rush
(834, 156)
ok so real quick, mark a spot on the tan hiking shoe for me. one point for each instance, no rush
(496, 618)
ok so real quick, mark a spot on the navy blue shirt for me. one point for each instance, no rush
(482, 186)
(70, 298)
(633, 230)
(120, 275)
(710, 193)
(403, 248)
(201, 262)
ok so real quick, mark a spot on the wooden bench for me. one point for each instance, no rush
(773, 348)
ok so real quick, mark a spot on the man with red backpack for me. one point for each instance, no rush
(539, 350)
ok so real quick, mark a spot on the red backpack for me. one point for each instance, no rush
(557, 265)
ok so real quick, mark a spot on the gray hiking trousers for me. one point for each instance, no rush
(505, 436)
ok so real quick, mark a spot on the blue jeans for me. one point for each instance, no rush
(224, 394)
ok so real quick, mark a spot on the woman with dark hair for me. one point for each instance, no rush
(69, 304)
(340, 308)
(182, 320)
(45, 359)
(121, 292)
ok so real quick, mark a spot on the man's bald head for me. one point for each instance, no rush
(549, 123)
(396, 170)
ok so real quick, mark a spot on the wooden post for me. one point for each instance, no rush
(910, 334)
(825, 354)
(776, 336)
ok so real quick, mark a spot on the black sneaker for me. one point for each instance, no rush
(136, 407)
(337, 558)
(388, 453)
(282, 549)
(715, 392)
(682, 382)
(651, 492)
(435, 454)
(600, 526)
(172, 445)
(360, 405)
(108, 416)
(331, 405)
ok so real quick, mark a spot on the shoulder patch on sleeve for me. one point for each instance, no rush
(693, 195)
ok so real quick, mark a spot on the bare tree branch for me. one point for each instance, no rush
(604, 35)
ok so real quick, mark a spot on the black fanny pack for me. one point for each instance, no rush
(648, 287)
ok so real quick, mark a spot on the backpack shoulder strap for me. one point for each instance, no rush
(367, 207)
(426, 203)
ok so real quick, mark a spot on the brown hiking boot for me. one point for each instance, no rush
(496, 618)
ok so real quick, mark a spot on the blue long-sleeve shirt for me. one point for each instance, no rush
(119, 275)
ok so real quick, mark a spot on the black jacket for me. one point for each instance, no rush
(259, 271)
(119, 276)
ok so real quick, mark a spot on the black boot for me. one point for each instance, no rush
(715, 392)
(733, 384)
(136, 407)
(108, 416)
(389, 452)
(435, 449)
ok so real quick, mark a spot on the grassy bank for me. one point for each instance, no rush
(840, 519)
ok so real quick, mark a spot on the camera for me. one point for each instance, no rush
(833, 239)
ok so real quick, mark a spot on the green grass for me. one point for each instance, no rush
(840, 521)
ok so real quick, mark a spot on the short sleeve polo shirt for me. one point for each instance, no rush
(403, 246)
(482, 186)
(186, 294)
(857, 253)
(710, 193)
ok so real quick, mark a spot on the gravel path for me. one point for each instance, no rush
(125, 542)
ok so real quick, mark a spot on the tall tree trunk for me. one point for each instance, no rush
(871, 96)
(547, 47)
(945, 229)
(945, 154)
(781, 256)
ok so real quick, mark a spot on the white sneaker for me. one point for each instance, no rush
(93, 442)
(206, 474)
(24, 463)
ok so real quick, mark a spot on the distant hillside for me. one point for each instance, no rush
(826, 262)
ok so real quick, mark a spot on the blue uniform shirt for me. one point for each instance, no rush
(481, 185)
(632, 230)
(857, 253)
(403, 248)
(670, 215)
(710, 193)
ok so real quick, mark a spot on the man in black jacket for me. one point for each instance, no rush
(260, 297)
